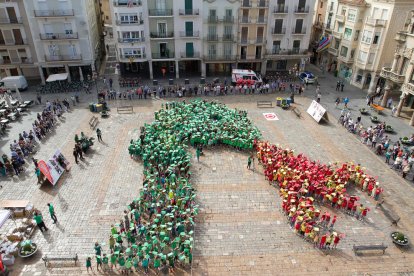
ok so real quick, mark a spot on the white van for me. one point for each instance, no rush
(13, 82)
(241, 76)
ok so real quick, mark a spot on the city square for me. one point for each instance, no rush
(216, 137)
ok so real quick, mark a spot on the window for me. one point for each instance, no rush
(227, 49)
(362, 56)
(344, 51)
(228, 30)
(359, 76)
(130, 36)
(356, 35)
(376, 38)
(136, 52)
(384, 14)
(371, 58)
(321, 6)
(404, 66)
(351, 15)
(375, 13)
(340, 27)
(412, 77)
(347, 34)
(367, 37)
(128, 18)
(337, 41)
(212, 49)
(352, 53)
(276, 47)
(296, 46)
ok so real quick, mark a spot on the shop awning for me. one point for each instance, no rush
(57, 77)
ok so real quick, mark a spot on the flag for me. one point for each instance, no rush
(324, 43)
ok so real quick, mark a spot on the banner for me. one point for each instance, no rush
(324, 43)
(316, 111)
(54, 167)
(44, 169)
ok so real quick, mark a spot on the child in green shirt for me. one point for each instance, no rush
(89, 264)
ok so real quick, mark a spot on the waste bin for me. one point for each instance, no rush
(202, 81)
(91, 107)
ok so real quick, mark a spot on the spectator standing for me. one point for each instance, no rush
(52, 212)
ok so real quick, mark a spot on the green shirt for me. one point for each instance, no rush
(121, 261)
(88, 263)
(38, 219)
(51, 209)
(105, 260)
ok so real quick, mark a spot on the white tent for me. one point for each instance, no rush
(57, 77)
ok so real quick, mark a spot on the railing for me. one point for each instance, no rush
(26, 60)
(189, 11)
(259, 40)
(13, 42)
(228, 37)
(212, 19)
(135, 22)
(162, 56)
(337, 34)
(158, 12)
(401, 36)
(375, 22)
(63, 57)
(245, 19)
(161, 34)
(219, 57)
(387, 73)
(293, 51)
(5, 61)
(129, 56)
(246, 4)
(54, 13)
(408, 88)
(274, 51)
(131, 40)
(16, 20)
(128, 3)
(190, 55)
(261, 20)
(51, 36)
(262, 4)
(212, 37)
(244, 41)
(302, 9)
(190, 34)
(228, 19)
(340, 17)
(333, 51)
(278, 31)
(249, 57)
(319, 25)
(280, 9)
(302, 31)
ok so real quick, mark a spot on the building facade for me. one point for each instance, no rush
(197, 37)
(317, 28)
(400, 75)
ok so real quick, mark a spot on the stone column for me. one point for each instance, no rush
(80, 74)
(8, 74)
(394, 63)
(150, 70)
(263, 67)
(387, 90)
(42, 76)
(177, 70)
(67, 71)
(19, 71)
(400, 105)
(373, 84)
(412, 120)
(203, 69)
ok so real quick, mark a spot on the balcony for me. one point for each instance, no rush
(228, 37)
(262, 4)
(249, 57)
(212, 19)
(302, 9)
(190, 34)
(128, 23)
(166, 55)
(189, 12)
(228, 19)
(244, 41)
(299, 32)
(63, 58)
(261, 20)
(401, 37)
(375, 22)
(280, 9)
(12, 42)
(54, 13)
(278, 31)
(246, 4)
(53, 36)
(131, 40)
(259, 40)
(230, 58)
(26, 60)
(160, 12)
(133, 57)
(16, 20)
(245, 19)
(319, 25)
(340, 18)
(127, 3)
(333, 51)
(408, 88)
(190, 55)
(347, 59)
(337, 35)
(212, 37)
(388, 74)
(161, 34)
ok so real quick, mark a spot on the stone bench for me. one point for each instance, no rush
(47, 259)
(264, 104)
(358, 248)
(93, 122)
(297, 112)
(125, 109)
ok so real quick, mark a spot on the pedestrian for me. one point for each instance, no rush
(39, 98)
(75, 154)
(79, 151)
(110, 83)
(52, 212)
(98, 249)
(393, 110)
(338, 85)
(99, 134)
(387, 156)
(346, 101)
(145, 263)
(337, 101)
(198, 153)
(89, 264)
(38, 175)
(342, 86)
(405, 170)
(98, 262)
(39, 221)
(104, 81)
(107, 48)
(318, 98)
(105, 261)
(249, 162)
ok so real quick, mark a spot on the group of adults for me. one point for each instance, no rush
(303, 182)
(27, 141)
(157, 229)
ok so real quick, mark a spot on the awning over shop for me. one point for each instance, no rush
(57, 77)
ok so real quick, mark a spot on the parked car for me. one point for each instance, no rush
(13, 82)
(307, 77)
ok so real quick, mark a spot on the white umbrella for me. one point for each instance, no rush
(19, 97)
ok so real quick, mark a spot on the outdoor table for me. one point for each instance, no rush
(23, 106)
(12, 116)
(14, 102)
(2, 111)
(27, 102)
(15, 205)
(4, 121)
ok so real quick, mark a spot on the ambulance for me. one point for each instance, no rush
(241, 76)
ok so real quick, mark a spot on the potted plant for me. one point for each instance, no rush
(27, 248)
(399, 238)
(405, 140)
(389, 128)
(363, 111)
(374, 119)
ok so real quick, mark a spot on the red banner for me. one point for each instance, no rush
(45, 170)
